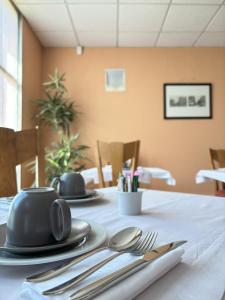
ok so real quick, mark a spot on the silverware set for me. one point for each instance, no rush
(128, 240)
(140, 248)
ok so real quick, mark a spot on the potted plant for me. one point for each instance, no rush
(58, 112)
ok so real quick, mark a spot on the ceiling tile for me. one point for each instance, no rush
(198, 1)
(137, 39)
(188, 17)
(46, 17)
(177, 39)
(57, 39)
(209, 39)
(98, 17)
(141, 17)
(97, 39)
(92, 1)
(218, 22)
(145, 1)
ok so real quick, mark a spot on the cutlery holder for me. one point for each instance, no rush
(129, 203)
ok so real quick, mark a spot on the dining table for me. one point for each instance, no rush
(199, 219)
(146, 174)
(210, 175)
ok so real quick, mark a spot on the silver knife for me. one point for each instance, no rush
(97, 287)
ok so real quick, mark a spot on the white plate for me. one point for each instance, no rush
(96, 237)
(83, 200)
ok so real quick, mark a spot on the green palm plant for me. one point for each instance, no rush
(65, 156)
(56, 111)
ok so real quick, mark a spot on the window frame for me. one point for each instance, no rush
(17, 82)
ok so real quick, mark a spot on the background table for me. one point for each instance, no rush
(146, 174)
(175, 216)
(210, 175)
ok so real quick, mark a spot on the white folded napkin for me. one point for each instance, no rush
(124, 290)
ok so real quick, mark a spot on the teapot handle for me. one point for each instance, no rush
(55, 183)
(60, 220)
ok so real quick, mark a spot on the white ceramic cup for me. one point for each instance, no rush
(129, 203)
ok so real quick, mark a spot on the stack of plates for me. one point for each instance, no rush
(84, 237)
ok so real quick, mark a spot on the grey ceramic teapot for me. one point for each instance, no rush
(38, 217)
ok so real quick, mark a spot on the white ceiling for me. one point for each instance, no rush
(126, 23)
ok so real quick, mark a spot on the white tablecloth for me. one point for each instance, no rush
(175, 216)
(209, 175)
(146, 174)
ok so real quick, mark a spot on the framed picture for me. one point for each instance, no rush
(187, 101)
(115, 80)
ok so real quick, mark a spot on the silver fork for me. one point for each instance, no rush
(146, 244)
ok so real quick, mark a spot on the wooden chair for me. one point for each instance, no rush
(218, 161)
(16, 147)
(116, 154)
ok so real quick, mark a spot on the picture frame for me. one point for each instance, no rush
(115, 80)
(187, 101)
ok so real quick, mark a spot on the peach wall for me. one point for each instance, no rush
(32, 79)
(32, 73)
(180, 146)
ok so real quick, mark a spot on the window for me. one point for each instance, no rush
(10, 86)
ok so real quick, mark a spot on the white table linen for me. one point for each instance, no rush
(145, 175)
(175, 216)
(210, 175)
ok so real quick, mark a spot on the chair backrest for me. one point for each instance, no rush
(218, 161)
(115, 154)
(16, 147)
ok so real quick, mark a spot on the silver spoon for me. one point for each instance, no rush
(121, 241)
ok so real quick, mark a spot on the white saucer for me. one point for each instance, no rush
(95, 238)
(83, 200)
